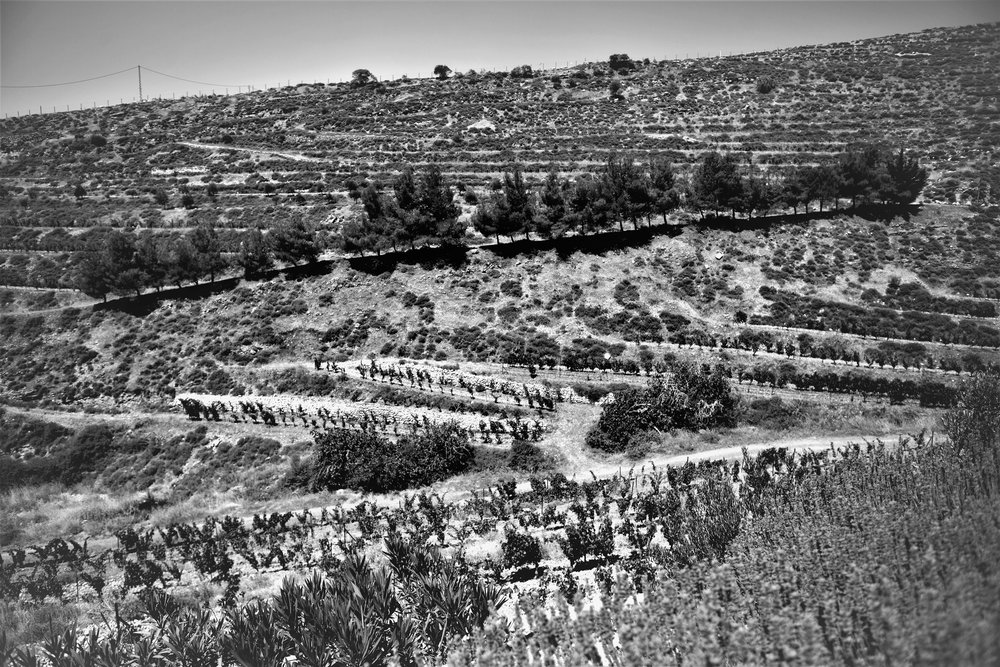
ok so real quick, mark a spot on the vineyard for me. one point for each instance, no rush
(520, 554)
(459, 370)
(591, 524)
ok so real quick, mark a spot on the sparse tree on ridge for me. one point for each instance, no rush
(620, 62)
(522, 72)
(442, 72)
(361, 77)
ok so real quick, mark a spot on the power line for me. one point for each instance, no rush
(201, 83)
(70, 83)
(129, 69)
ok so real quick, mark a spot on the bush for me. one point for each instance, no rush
(368, 462)
(520, 549)
(974, 423)
(765, 85)
(527, 456)
(697, 399)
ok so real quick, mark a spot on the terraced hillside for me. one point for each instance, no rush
(279, 364)
(933, 92)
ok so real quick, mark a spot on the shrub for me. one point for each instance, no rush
(368, 462)
(697, 399)
(974, 423)
(527, 456)
(765, 85)
(520, 549)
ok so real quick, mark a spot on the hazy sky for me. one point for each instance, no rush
(241, 42)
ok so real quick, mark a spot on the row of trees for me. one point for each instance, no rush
(866, 175)
(125, 263)
(421, 210)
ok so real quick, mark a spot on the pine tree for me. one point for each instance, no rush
(906, 179)
(208, 250)
(254, 254)
(663, 187)
(294, 241)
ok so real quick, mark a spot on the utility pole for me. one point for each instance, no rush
(138, 68)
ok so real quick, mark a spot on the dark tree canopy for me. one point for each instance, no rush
(442, 72)
(522, 72)
(294, 241)
(620, 62)
(361, 77)
(254, 255)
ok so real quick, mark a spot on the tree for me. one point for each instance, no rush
(663, 187)
(522, 72)
(442, 72)
(620, 62)
(79, 191)
(760, 195)
(862, 176)
(208, 250)
(404, 208)
(92, 275)
(365, 234)
(486, 218)
(254, 254)
(293, 241)
(438, 214)
(187, 200)
(822, 184)
(793, 191)
(717, 183)
(516, 209)
(151, 256)
(614, 90)
(974, 423)
(550, 218)
(183, 265)
(160, 197)
(361, 77)
(589, 206)
(120, 257)
(906, 179)
(620, 180)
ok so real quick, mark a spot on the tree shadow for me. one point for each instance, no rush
(590, 244)
(449, 256)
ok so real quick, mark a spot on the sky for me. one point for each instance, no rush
(224, 44)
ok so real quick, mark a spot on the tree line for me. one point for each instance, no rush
(124, 263)
(415, 211)
(420, 210)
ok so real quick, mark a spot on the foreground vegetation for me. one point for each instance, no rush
(880, 554)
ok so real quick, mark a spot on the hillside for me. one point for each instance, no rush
(268, 372)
